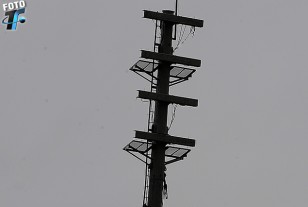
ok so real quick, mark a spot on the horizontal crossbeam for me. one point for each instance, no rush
(173, 18)
(168, 98)
(165, 138)
(170, 58)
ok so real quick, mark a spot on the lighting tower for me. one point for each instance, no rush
(163, 69)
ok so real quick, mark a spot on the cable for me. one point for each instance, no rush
(180, 36)
(180, 42)
(173, 115)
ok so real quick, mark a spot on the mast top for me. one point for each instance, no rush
(166, 16)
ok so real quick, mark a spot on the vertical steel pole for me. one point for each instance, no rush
(157, 166)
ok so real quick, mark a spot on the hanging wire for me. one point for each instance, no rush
(173, 115)
(180, 41)
(180, 36)
(180, 33)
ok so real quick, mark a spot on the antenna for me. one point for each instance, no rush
(176, 14)
(176, 7)
(156, 147)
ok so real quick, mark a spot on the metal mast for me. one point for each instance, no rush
(164, 70)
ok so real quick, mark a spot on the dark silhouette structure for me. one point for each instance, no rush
(162, 69)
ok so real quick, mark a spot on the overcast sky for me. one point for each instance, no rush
(68, 105)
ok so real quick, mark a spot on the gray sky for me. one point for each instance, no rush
(68, 106)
